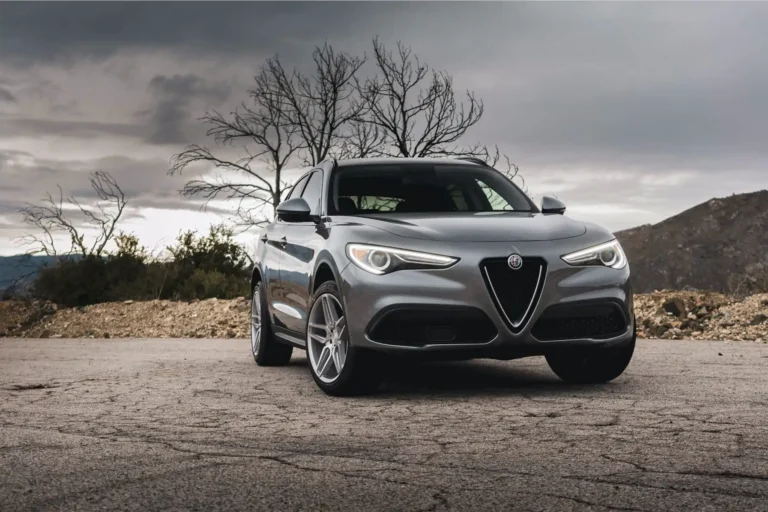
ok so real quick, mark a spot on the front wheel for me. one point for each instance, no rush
(590, 366)
(338, 367)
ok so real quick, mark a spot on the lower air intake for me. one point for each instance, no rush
(580, 321)
(416, 327)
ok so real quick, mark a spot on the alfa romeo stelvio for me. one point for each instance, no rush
(374, 259)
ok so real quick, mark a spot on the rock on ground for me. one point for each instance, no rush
(702, 315)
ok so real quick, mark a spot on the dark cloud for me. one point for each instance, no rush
(5, 95)
(144, 182)
(9, 155)
(26, 179)
(174, 96)
(65, 128)
(649, 107)
(69, 31)
(601, 80)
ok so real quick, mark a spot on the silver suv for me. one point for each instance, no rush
(434, 258)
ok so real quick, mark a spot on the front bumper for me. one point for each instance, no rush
(462, 288)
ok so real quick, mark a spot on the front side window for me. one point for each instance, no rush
(297, 188)
(314, 191)
(408, 188)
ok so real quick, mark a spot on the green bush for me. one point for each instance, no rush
(199, 268)
(72, 282)
(205, 284)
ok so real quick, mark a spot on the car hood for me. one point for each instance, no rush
(477, 227)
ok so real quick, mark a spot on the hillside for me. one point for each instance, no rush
(21, 267)
(720, 245)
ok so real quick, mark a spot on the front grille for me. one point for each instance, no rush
(419, 326)
(514, 292)
(580, 321)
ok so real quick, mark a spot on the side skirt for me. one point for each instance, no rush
(289, 337)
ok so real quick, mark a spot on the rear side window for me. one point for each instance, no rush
(314, 191)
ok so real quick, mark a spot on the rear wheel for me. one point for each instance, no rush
(338, 367)
(589, 366)
(265, 349)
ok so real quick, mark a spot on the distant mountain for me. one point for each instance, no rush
(21, 266)
(720, 245)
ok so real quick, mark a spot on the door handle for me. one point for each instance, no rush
(283, 241)
(264, 238)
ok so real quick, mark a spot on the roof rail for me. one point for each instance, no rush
(475, 160)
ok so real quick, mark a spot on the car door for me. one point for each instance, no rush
(275, 241)
(269, 256)
(303, 242)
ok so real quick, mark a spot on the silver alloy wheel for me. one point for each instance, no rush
(256, 319)
(327, 340)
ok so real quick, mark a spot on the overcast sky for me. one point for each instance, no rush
(629, 113)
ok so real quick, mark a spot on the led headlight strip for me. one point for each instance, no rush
(609, 254)
(379, 260)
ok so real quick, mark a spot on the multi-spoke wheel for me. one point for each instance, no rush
(337, 366)
(266, 350)
(326, 338)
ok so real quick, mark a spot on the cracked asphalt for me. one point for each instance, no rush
(195, 425)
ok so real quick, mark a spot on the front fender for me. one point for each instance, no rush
(325, 258)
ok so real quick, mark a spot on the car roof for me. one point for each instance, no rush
(357, 162)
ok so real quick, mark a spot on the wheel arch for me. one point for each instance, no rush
(325, 270)
(255, 277)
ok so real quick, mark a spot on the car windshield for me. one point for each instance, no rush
(373, 189)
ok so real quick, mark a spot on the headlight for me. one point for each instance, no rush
(608, 254)
(383, 260)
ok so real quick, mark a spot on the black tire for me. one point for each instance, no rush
(592, 366)
(362, 371)
(270, 352)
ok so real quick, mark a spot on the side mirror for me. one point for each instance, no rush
(552, 205)
(294, 210)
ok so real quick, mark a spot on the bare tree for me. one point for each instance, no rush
(405, 110)
(322, 103)
(52, 218)
(267, 137)
(360, 140)
(291, 115)
(415, 107)
(415, 113)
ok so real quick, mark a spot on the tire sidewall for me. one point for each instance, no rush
(266, 328)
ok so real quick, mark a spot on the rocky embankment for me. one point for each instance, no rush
(702, 316)
(668, 315)
(152, 319)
